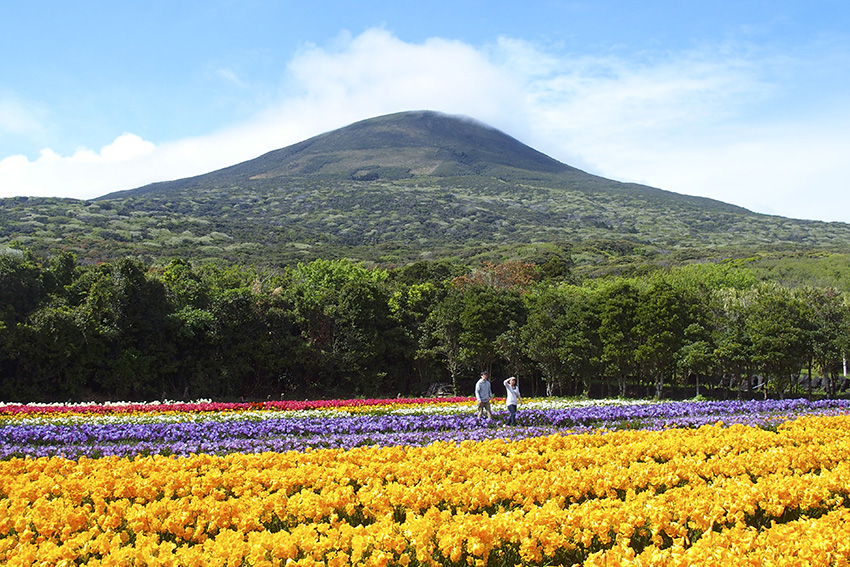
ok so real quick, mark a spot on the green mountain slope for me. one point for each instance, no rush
(404, 187)
(391, 147)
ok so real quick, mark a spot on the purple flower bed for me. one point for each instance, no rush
(277, 434)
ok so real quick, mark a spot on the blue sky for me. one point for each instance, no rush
(742, 101)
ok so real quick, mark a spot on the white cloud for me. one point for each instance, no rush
(124, 148)
(593, 108)
(793, 169)
(376, 73)
(84, 174)
(700, 123)
(695, 122)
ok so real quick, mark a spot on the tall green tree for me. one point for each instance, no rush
(55, 361)
(410, 307)
(190, 292)
(343, 311)
(827, 322)
(22, 290)
(129, 315)
(661, 320)
(441, 339)
(562, 336)
(582, 342)
(776, 324)
(618, 317)
(239, 341)
(487, 313)
(513, 353)
(543, 335)
(733, 344)
(22, 287)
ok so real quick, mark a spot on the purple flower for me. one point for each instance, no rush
(256, 434)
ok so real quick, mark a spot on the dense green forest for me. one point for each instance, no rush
(334, 328)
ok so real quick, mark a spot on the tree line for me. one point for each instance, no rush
(126, 330)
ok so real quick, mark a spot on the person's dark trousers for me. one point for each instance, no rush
(512, 418)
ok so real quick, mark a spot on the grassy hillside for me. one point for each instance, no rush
(405, 187)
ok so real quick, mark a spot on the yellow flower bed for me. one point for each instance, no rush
(710, 496)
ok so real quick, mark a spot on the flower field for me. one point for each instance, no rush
(425, 482)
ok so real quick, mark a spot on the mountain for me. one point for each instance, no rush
(403, 187)
(390, 147)
(411, 145)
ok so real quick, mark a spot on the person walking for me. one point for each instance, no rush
(483, 393)
(513, 398)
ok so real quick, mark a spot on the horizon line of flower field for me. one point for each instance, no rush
(665, 497)
(11, 409)
(118, 412)
(259, 431)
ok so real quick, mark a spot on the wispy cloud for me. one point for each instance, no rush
(694, 122)
(19, 117)
(229, 76)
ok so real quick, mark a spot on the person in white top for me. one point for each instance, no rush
(513, 398)
(483, 394)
